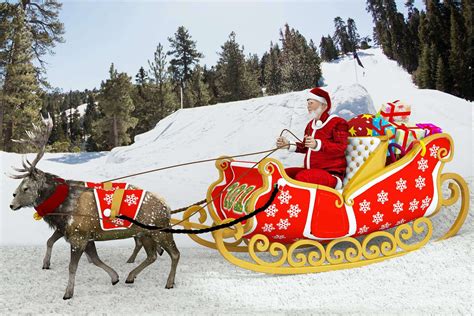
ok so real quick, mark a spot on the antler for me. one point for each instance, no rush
(38, 137)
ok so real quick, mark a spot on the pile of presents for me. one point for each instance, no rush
(393, 117)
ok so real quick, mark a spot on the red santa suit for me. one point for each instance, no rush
(325, 164)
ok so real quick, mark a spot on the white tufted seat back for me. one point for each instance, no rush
(357, 152)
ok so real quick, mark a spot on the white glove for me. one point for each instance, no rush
(282, 142)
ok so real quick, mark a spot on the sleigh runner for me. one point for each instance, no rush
(381, 212)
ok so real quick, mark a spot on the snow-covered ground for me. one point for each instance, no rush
(436, 279)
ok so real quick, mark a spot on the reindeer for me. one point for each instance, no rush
(58, 235)
(76, 218)
(35, 139)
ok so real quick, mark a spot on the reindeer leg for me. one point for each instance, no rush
(169, 245)
(49, 248)
(91, 251)
(138, 247)
(77, 248)
(150, 248)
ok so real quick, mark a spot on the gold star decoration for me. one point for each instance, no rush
(352, 131)
(367, 116)
(369, 131)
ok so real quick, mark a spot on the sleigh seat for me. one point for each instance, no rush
(365, 155)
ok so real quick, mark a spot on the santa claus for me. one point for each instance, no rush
(324, 146)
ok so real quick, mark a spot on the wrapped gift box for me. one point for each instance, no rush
(406, 134)
(396, 112)
(380, 127)
(429, 128)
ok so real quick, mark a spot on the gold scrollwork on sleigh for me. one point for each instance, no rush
(307, 256)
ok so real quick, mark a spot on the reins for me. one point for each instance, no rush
(200, 231)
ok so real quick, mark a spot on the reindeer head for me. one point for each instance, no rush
(34, 180)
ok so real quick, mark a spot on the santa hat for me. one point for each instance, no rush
(320, 95)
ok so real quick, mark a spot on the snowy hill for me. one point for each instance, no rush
(429, 280)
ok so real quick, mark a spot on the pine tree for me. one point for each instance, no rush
(441, 75)
(76, 129)
(272, 71)
(197, 92)
(328, 49)
(341, 36)
(467, 11)
(365, 42)
(163, 100)
(91, 115)
(382, 35)
(234, 81)
(458, 61)
(185, 54)
(300, 62)
(411, 38)
(21, 104)
(353, 35)
(117, 105)
(141, 96)
(209, 78)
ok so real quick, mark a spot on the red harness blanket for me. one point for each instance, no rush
(129, 205)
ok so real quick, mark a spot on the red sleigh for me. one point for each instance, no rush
(381, 212)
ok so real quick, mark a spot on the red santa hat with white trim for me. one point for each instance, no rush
(320, 95)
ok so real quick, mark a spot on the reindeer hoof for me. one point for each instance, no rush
(45, 267)
(115, 282)
(169, 286)
(129, 281)
(67, 297)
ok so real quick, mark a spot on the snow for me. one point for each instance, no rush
(81, 108)
(436, 279)
(351, 100)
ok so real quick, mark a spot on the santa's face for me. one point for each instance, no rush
(316, 108)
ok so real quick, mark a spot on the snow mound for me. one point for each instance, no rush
(352, 100)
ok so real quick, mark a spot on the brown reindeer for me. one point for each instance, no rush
(35, 139)
(58, 235)
(73, 213)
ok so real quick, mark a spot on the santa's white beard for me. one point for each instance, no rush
(315, 114)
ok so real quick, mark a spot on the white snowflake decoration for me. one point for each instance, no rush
(118, 221)
(131, 199)
(382, 197)
(364, 206)
(268, 228)
(284, 197)
(420, 182)
(400, 222)
(108, 198)
(271, 210)
(401, 185)
(279, 237)
(283, 224)
(363, 229)
(434, 151)
(398, 207)
(385, 226)
(425, 202)
(294, 210)
(377, 218)
(422, 164)
(414, 205)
